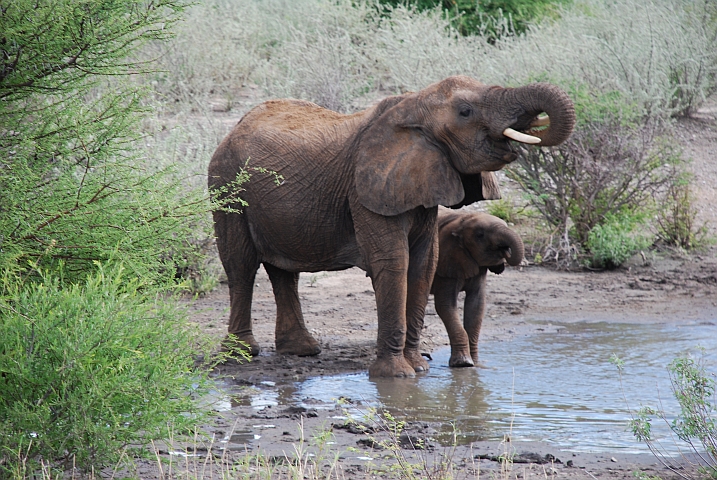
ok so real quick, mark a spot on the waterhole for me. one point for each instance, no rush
(556, 387)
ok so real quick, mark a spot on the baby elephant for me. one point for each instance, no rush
(470, 244)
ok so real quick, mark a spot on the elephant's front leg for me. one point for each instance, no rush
(474, 309)
(292, 336)
(423, 256)
(389, 282)
(445, 296)
(383, 242)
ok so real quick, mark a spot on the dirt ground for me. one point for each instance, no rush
(340, 311)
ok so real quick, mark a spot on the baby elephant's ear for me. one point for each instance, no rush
(398, 169)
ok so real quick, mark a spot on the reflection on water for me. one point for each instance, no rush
(559, 388)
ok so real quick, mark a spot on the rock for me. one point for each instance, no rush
(370, 443)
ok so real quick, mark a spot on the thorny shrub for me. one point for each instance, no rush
(694, 389)
(602, 169)
(677, 216)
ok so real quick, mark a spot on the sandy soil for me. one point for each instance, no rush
(339, 309)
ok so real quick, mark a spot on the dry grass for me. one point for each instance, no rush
(663, 54)
(660, 54)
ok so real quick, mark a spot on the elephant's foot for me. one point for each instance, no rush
(416, 360)
(460, 359)
(297, 342)
(236, 345)
(391, 366)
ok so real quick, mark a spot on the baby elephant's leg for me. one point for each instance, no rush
(474, 310)
(445, 294)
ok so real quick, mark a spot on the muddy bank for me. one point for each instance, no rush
(339, 309)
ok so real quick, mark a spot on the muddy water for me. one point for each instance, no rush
(560, 388)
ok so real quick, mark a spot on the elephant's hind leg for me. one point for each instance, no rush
(240, 263)
(292, 337)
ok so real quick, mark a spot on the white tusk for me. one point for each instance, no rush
(520, 137)
(540, 122)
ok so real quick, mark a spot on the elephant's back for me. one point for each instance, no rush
(297, 208)
(292, 137)
(291, 115)
(287, 136)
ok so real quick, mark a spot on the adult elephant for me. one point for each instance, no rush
(470, 244)
(362, 190)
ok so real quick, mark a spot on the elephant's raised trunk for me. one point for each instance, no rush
(533, 100)
(515, 249)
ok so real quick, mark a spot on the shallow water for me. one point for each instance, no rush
(560, 388)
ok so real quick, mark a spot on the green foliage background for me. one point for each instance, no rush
(488, 16)
(103, 157)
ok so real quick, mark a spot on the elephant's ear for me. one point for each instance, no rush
(398, 169)
(478, 186)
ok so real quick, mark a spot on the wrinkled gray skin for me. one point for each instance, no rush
(363, 190)
(470, 244)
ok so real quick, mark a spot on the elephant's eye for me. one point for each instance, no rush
(465, 111)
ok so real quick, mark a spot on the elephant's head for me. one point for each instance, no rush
(490, 241)
(418, 145)
(472, 240)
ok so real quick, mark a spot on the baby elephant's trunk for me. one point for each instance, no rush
(515, 247)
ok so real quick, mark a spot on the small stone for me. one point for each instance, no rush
(613, 459)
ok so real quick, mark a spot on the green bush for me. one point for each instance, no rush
(94, 356)
(487, 17)
(504, 209)
(87, 370)
(616, 239)
(594, 106)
